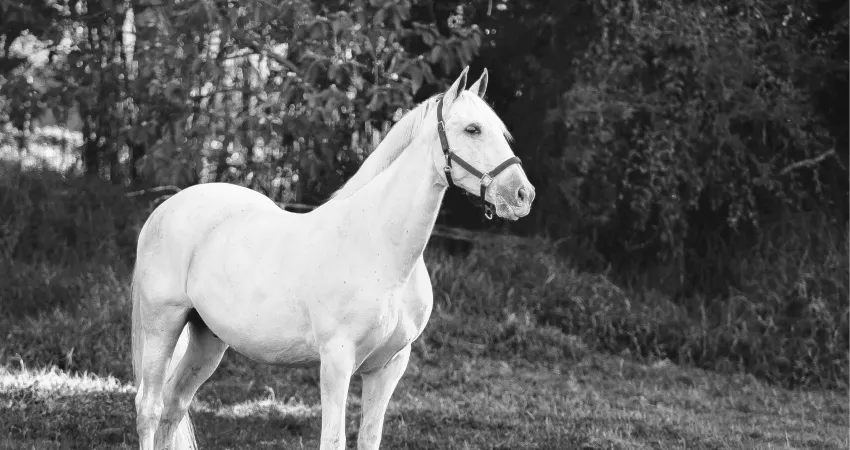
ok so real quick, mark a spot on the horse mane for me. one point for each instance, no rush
(399, 138)
(391, 146)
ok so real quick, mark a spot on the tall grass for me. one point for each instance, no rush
(67, 245)
(791, 330)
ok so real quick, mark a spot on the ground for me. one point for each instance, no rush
(450, 398)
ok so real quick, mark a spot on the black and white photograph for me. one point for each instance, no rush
(424, 224)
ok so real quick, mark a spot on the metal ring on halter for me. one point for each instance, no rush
(488, 211)
(486, 180)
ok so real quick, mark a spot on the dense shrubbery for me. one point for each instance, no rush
(64, 299)
(687, 123)
(789, 326)
(46, 217)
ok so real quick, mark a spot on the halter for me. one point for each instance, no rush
(485, 178)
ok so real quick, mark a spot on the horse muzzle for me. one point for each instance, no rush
(513, 199)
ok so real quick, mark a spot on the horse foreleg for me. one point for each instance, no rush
(337, 365)
(378, 387)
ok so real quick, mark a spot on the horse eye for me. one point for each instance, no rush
(473, 129)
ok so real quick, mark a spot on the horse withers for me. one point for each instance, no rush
(343, 287)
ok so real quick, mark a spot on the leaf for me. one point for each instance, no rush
(337, 26)
(416, 78)
(428, 38)
(396, 19)
(317, 31)
(436, 54)
(376, 103)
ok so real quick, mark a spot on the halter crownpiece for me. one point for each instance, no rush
(486, 178)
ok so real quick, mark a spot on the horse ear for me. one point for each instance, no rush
(480, 86)
(454, 91)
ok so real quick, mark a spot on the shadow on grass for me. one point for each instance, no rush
(47, 409)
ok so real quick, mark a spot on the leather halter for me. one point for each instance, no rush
(486, 178)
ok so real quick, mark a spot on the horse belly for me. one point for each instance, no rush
(283, 336)
(285, 348)
(262, 326)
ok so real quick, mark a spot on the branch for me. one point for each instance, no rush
(257, 47)
(807, 162)
(235, 90)
(153, 189)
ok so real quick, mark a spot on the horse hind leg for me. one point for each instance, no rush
(202, 355)
(161, 325)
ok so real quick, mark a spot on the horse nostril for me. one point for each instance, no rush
(522, 195)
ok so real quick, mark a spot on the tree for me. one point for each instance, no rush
(694, 120)
(265, 94)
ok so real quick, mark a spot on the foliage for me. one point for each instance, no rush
(266, 94)
(790, 329)
(48, 218)
(687, 121)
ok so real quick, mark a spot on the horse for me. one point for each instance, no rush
(343, 287)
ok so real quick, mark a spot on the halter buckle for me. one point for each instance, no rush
(486, 180)
(488, 212)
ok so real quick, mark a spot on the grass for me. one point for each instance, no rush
(448, 399)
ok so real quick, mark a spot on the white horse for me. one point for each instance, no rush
(343, 287)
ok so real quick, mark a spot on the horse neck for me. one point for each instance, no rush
(404, 201)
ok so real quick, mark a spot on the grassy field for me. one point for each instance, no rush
(450, 398)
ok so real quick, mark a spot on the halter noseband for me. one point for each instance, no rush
(485, 178)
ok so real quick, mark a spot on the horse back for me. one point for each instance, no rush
(173, 231)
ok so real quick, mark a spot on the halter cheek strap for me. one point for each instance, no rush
(486, 178)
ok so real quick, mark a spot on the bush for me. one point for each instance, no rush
(46, 217)
(790, 328)
(692, 124)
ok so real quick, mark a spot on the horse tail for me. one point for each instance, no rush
(184, 436)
